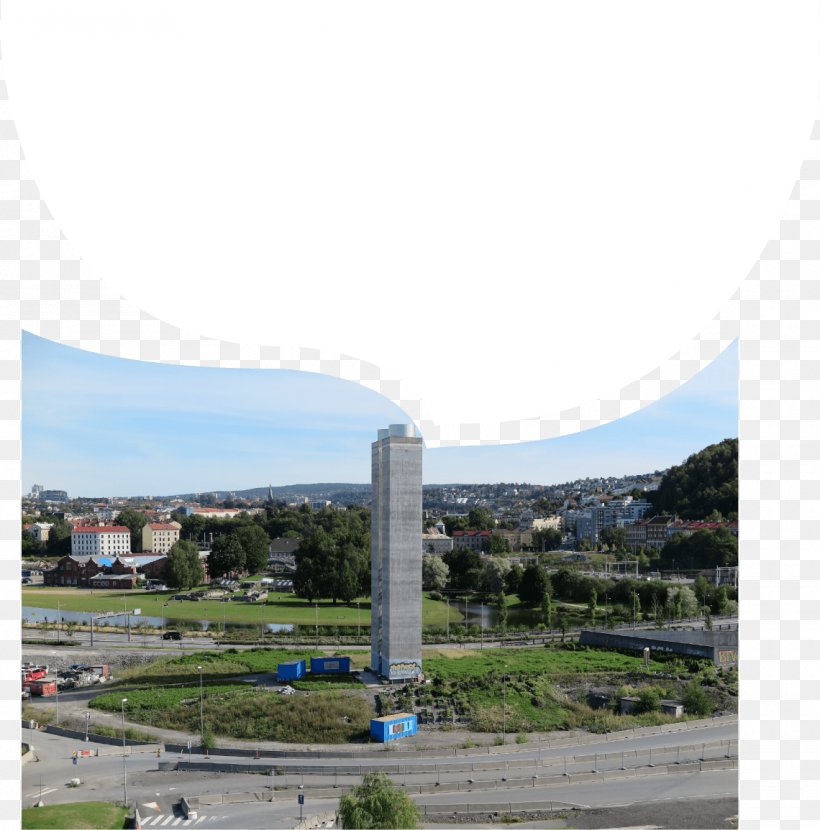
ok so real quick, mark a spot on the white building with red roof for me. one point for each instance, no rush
(103, 540)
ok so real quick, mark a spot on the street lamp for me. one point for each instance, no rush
(358, 623)
(504, 713)
(56, 695)
(124, 775)
(448, 619)
(162, 627)
(316, 605)
(87, 721)
(201, 709)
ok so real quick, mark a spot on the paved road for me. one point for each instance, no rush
(156, 792)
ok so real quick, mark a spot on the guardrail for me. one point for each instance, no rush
(502, 773)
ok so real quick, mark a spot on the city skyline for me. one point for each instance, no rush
(95, 425)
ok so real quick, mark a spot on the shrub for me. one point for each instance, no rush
(695, 699)
(649, 700)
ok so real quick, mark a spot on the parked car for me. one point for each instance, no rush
(172, 635)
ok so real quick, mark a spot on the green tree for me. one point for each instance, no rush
(493, 575)
(479, 518)
(592, 605)
(534, 584)
(434, 572)
(182, 567)
(614, 537)
(29, 546)
(495, 545)
(501, 605)
(227, 556)
(59, 538)
(513, 579)
(376, 803)
(255, 543)
(707, 481)
(703, 549)
(546, 609)
(547, 539)
(465, 569)
(135, 521)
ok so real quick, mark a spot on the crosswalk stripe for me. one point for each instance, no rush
(199, 819)
(167, 820)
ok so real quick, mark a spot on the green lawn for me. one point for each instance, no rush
(280, 608)
(230, 663)
(88, 814)
(457, 664)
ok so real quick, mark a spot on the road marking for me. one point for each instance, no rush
(167, 820)
(199, 819)
(174, 824)
(45, 791)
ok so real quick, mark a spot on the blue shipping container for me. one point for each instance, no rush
(330, 665)
(290, 671)
(391, 727)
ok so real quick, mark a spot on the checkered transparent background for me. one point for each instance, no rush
(775, 314)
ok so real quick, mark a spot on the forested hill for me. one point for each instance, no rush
(705, 483)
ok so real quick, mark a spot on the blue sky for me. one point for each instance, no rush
(103, 426)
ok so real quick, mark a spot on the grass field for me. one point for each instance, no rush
(227, 663)
(250, 713)
(88, 814)
(455, 664)
(280, 608)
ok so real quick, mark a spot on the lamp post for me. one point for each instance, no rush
(162, 626)
(56, 695)
(201, 709)
(58, 623)
(448, 619)
(87, 721)
(358, 623)
(482, 625)
(316, 606)
(504, 710)
(124, 774)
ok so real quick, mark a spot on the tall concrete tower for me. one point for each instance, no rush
(395, 554)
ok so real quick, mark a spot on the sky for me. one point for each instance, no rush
(102, 426)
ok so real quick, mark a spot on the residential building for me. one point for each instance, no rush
(436, 542)
(472, 539)
(95, 541)
(159, 537)
(39, 530)
(396, 553)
